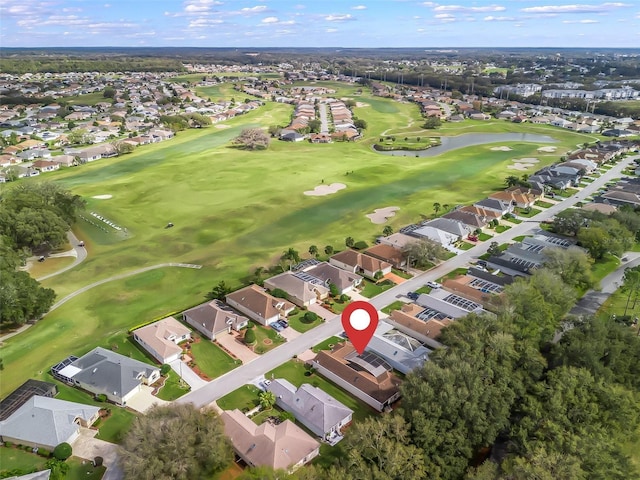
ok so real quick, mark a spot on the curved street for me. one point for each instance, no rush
(244, 374)
(81, 255)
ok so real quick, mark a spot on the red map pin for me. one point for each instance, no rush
(360, 320)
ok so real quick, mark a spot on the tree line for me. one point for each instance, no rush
(33, 216)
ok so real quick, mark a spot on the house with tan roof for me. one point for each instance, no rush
(361, 263)
(258, 305)
(300, 290)
(214, 318)
(45, 165)
(161, 339)
(327, 274)
(366, 376)
(422, 323)
(284, 446)
(387, 253)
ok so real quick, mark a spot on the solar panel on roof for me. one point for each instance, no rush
(308, 278)
(430, 314)
(485, 286)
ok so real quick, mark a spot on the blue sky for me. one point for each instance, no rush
(319, 23)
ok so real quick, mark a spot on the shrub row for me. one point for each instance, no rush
(153, 321)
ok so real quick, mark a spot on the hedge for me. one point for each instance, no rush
(154, 320)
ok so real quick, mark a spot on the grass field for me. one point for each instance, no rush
(235, 210)
(298, 323)
(87, 99)
(13, 458)
(173, 388)
(244, 398)
(211, 359)
(326, 344)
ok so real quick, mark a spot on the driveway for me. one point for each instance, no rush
(144, 400)
(320, 311)
(187, 374)
(289, 334)
(236, 346)
(88, 447)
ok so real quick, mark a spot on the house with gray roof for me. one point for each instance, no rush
(401, 351)
(496, 205)
(453, 231)
(105, 372)
(328, 274)
(315, 409)
(47, 422)
(440, 306)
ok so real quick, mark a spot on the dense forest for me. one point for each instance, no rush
(33, 216)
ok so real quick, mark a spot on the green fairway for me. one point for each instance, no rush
(235, 210)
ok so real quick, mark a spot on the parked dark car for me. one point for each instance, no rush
(284, 323)
(413, 295)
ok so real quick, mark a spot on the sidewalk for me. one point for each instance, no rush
(188, 375)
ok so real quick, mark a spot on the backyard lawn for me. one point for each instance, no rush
(80, 469)
(238, 210)
(13, 458)
(211, 359)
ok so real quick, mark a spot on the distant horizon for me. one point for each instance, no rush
(291, 47)
(302, 24)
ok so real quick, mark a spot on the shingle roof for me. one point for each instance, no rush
(357, 259)
(110, 372)
(259, 301)
(214, 317)
(46, 421)
(295, 286)
(331, 274)
(314, 408)
(158, 336)
(277, 446)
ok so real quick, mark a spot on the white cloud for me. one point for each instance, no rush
(443, 15)
(192, 8)
(204, 22)
(107, 5)
(460, 8)
(580, 21)
(491, 18)
(359, 7)
(339, 17)
(429, 4)
(256, 9)
(331, 30)
(575, 8)
(270, 20)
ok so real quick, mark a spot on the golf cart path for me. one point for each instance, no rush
(64, 300)
(101, 282)
(80, 256)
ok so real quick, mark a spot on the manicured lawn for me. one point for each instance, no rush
(397, 305)
(110, 430)
(513, 220)
(298, 323)
(466, 246)
(372, 289)
(453, 274)
(326, 344)
(273, 339)
(173, 388)
(294, 371)
(483, 237)
(13, 458)
(211, 359)
(522, 212)
(87, 99)
(238, 210)
(400, 273)
(244, 398)
(520, 238)
(502, 228)
(50, 265)
(264, 414)
(80, 469)
(543, 204)
(423, 289)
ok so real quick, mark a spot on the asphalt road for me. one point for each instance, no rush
(593, 299)
(244, 374)
(81, 255)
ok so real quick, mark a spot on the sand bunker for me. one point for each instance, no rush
(526, 160)
(380, 215)
(547, 149)
(222, 126)
(102, 197)
(503, 148)
(361, 104)
(519, 166)
(322, 190)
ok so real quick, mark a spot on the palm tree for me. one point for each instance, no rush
(328, 249)
(313, 251)
(511, 181)
(349, 241)
(388, 230)
(291, 255)
(436, 207)
(446, 207)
